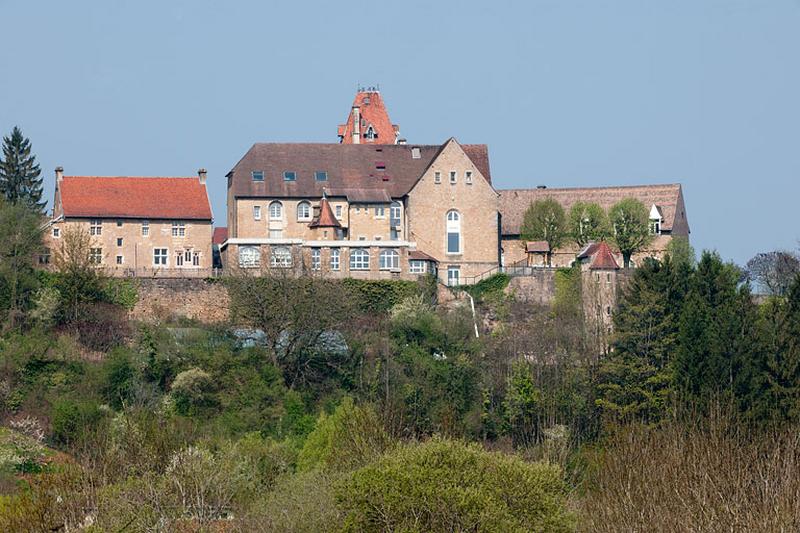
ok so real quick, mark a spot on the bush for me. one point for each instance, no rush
(192, 391)
(71, 419)
(445, 485)
(101, 326)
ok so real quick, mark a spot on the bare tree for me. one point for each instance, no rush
(773, 272)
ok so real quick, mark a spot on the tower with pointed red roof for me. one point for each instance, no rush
(368, 121)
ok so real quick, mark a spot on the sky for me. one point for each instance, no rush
(564, 92)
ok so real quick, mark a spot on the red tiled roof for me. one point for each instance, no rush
(421, 256)
(326, 218)
(219, 236)
(604, 258)
(134, 197)
(537, 247)
(589, 250)
(373, 113)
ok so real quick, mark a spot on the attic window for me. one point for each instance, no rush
(380, 165)
(289, 175)
(321, 175)
(415, 153)
(370, 134)
(258, 175)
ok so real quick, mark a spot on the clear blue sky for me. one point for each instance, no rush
(565, 93)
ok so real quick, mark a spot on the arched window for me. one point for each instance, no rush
(395, 213)
(304, 211)
(249, 256)
(281, 257)
(453, 232)
(370, 134)
(359, 259)
(389, 260)
(276, 211)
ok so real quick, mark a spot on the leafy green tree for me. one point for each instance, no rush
(78, 281)
(630, 227)
(635, 379)
(521, 405)
(681, 252)
(545, 220)
(20, 242)
(19, 173)
(588, 222)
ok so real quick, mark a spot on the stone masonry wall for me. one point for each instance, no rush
(198, 299)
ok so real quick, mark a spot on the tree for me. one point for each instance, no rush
(78, 281)
(587, 223)
(19, 173)
(630, 227)
(20, 242)
(773, 272)
(545, 221)
(784, 358)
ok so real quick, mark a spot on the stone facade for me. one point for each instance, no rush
(196, 299)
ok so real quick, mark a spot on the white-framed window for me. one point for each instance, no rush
(179, 229)
(334, 259)
(389, 260)
(276, 211)
(316, 259)
(160, 257)
(96, 256)
(655, 226)
(453, 275)
(119, 241)
(339, 212)
(196, 259)
(289, 175)
(183, 258)
(453, 175)
(257, 175)
(256, 212)
(276, 234)
(145, 228)
(280, 257)
(56, 233)
(453, 232)
(468, 177)
(320, 175)
(416, 266)
(304, 211)
(380, 211)
(359, 259)
(249, 256)
(119, 259)
(95, 227)
(395, 213)
(437, 177)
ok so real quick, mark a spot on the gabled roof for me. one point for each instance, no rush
(588, 251)
(514, 202)
(417, 255)
(219, 236)
(134, 197)
(325, 218)
(373, 113)
(604, 258)
(538, 247)
(392, 168)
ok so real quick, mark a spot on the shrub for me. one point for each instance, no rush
(71, 419)
(445, 485)
(192, 391)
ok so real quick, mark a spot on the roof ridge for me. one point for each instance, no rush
(643, 186)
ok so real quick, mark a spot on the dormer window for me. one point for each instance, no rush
(370, 134)
(289, 175)
(415, 153)
(655, 227)
(655, 220)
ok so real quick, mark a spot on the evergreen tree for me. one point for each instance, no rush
(783, 362)
(545, 220)
(19, 173)
(635, 379)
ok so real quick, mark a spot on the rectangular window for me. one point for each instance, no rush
(119, 223)
(334, 259)
(44, 257)
(338, 211)
(416, 266)
(394, 234)
(145, 228)
(453, 275)
(119, 241)
(196, 259)
(453, 242)
(394, 213)
(316, 259)
(362, 238)
(96, 227)
(179, 229)
(468, 177)
(159, 256)
(119, 259)
(608, 278)
(258, 175)
(96, 256)
(256, 212)
(380, 211)
(289, 175)
(56, 233)
(453, 175)
(415, 153)
(358, 210)
(321, 175)
(437, 177)
(275, 233)
(359, 259)
(179, 259)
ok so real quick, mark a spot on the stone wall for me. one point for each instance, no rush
(198, 299)
(538, 288)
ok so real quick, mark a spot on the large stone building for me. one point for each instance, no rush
(138, 226)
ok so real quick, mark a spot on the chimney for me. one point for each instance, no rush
(541, 186)
(59, 174)
(401, 140)
(202, 175)
(356, 125)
